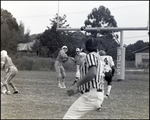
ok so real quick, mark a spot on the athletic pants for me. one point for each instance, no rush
(12, 72)
(86, 102)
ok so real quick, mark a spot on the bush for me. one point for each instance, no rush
(143, 65)
(40, 63)
(34, 63)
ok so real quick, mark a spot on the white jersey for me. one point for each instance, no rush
(108, 61)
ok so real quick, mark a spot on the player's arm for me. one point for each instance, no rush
(92, 69)
(2, 62)
(113, 70)
(89, 76)
(64, 56)
(112, 65)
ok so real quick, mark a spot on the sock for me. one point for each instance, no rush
(108, 89)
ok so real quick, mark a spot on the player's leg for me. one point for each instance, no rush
(108, 78)
(14, 72)
(57, 68)
(63, 74)
(3, 89)
(5, 82)
(87, 102)
(77, 75)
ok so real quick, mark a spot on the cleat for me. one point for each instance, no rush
(106, 96)
(3, 91)
(8, 93)
(63, 86)
(16, 92)
(100, 108)
(59, 85)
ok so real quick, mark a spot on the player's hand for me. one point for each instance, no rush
(73, 90)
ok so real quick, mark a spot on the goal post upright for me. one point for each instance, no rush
(58, 17)
(120, 59)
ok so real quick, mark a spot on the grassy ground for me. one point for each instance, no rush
(40, 98)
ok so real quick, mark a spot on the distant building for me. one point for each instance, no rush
(25, 47)
(142, 56)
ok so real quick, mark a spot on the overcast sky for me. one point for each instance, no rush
(36, 14)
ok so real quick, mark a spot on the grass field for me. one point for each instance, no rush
(40, 98)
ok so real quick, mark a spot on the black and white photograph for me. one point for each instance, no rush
(74, 59)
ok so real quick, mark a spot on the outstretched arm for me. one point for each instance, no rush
(89, 76)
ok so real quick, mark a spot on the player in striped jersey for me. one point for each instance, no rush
(10, 70)
(109, 70)
(91, 86)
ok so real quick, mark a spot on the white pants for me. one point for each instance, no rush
(85, 103)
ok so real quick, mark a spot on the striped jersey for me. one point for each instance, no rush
(62, 56)
(7, 61)
(108, 61)
(92, 59)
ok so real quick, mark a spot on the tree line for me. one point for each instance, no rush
(50, 41)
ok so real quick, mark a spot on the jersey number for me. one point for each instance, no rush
(106, 61)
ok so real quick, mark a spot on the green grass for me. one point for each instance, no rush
(40, 98)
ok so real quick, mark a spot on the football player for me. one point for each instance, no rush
(109, 70)
(61, 75)
(10, 70)
(78, 60)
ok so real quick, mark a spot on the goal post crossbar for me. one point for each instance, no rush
(101, 28)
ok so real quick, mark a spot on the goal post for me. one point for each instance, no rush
(103, 28)
(120, 50)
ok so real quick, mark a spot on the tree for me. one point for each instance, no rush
(53, 39)
(9, 32)
(100, 17)
(24, 36)
(133, 47)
